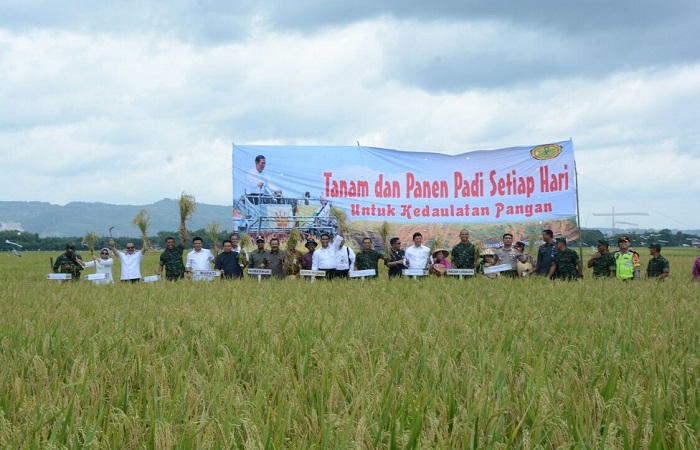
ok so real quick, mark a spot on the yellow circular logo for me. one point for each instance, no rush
(548, 151)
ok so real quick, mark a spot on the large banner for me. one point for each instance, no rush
(272, 185)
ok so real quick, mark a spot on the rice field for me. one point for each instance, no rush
(435, 363)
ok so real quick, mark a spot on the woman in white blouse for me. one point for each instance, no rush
(102, 265)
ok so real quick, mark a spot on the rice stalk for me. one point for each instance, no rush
(294, 238)
(187, 206)
(246, 243)
(90, 239)
(384, 230)
(434, 246)
(341, 219)
(142, 221)
(213, 230)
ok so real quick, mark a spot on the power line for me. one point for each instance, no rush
(635, 201)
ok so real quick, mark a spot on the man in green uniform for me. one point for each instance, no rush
(69, 262)
(171, 258)
(368, 258)
(463, 254)
(602, 261)
(566, 263)
(658, 266)
(626, 261)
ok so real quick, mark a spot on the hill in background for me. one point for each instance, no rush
(75, 219)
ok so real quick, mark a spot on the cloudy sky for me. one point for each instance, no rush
(130, 102)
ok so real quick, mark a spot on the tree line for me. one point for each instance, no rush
(32, 241)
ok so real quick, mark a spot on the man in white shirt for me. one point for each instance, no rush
(346, 260)
(199, 258)
(131, 261)
(326, 257)
(417, 255)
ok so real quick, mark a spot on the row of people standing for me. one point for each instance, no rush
(554, 259)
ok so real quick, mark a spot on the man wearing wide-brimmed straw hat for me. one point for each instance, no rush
(626, 261)
(488, 259)
(440, 263)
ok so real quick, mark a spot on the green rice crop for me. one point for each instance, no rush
(433, 363)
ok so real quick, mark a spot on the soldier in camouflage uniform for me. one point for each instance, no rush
(658, 266)
(368, 258)
(566, 263)
(464, 253)
(69, 262)
(602, 261)
(171, 258)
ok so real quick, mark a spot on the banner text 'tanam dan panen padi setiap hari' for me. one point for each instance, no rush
(520, 190)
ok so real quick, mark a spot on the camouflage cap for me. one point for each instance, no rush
(70, 246)
(561, 239)
(603, 242)
(656, 246)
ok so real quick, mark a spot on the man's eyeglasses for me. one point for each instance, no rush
(130, 248)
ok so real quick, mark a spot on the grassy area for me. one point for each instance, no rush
(430, 363)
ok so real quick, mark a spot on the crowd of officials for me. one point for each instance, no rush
(552, 260)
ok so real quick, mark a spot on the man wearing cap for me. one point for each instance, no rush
(326, 257)
(566, 263)
(311, 247)
(396, 258)
(658, 267)
(463, 254)
(368, 258)
(69, 262)
(545, 254)
(256, 258)
(626, 261)
(602, 261)
(130, 261)
(526, 265)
